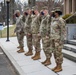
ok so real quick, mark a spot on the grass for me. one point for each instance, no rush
(11, 32)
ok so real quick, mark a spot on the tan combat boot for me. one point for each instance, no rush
(21, 50)
(36, 56)
(18, 47)
(54, 68)
(46, 62)
(29, 53)
(58, 68)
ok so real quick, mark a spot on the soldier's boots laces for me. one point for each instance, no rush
(18, 47)
(46, 62)
(58, 68)
(29, 53)
(21, 50)
(36, 56)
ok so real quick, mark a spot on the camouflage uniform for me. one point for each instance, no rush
(35, 25)
(57, 38)
(45, 31)
(20, 31)
(28, 31)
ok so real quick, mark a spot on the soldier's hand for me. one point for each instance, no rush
(29, 34)
(39, 35)
(47, 37)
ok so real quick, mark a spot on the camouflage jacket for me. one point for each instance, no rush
(45, 26)
(28, 24)
(19, 25)
(35, 25)
(58, 28)
(24, 18)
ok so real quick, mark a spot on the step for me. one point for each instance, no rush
(72, 42)
(70, 47)
(69, 54)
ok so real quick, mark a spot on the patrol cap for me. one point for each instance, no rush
(53, 10)
(45, 7)
(34, 7)
(16, 11)
(57, 9)
(25, 9)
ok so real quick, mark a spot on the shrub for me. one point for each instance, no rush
(70, 20)
(66, 16)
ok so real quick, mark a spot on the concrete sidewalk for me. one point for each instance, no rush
(26, 66)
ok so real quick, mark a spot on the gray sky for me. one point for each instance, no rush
(1, 0)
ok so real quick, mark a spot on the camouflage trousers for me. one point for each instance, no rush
(36, 42)
(29, 41)
(46, 47)
(56, 46)
(20, 38)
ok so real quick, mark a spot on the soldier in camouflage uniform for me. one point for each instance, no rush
(57, 38)
(28, 32)
(35, 26)
(45, 35)
(19, 30)
(25, 14)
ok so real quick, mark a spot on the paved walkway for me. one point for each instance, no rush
(5, 66)
(26, 66)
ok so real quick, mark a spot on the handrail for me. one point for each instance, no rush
(70, 16)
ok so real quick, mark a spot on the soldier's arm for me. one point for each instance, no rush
(23, 18)
(63, 29)
(48, 25)
(22, 25)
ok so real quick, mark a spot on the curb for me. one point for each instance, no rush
(18, 70)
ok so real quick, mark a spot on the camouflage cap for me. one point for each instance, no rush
(57, 9)
(34, 8)
(45, 7)
(16, 11)
(53, 10)
(25, 9)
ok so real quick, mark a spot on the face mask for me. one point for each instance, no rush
(33, 12)
(26, 13)
(42, 13)
(16, 15)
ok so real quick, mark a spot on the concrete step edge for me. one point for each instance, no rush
(70, 48)
(69, 55)
(71, 42)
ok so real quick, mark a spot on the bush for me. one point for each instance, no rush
(66, 16)
(71, 20)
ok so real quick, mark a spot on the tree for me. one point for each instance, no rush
(31, 3)
(11, 11)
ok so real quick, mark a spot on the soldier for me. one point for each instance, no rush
(28, 32)
(57, 38)
(35, 26)
(25, 14)
(45, 35)
(19, 30)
